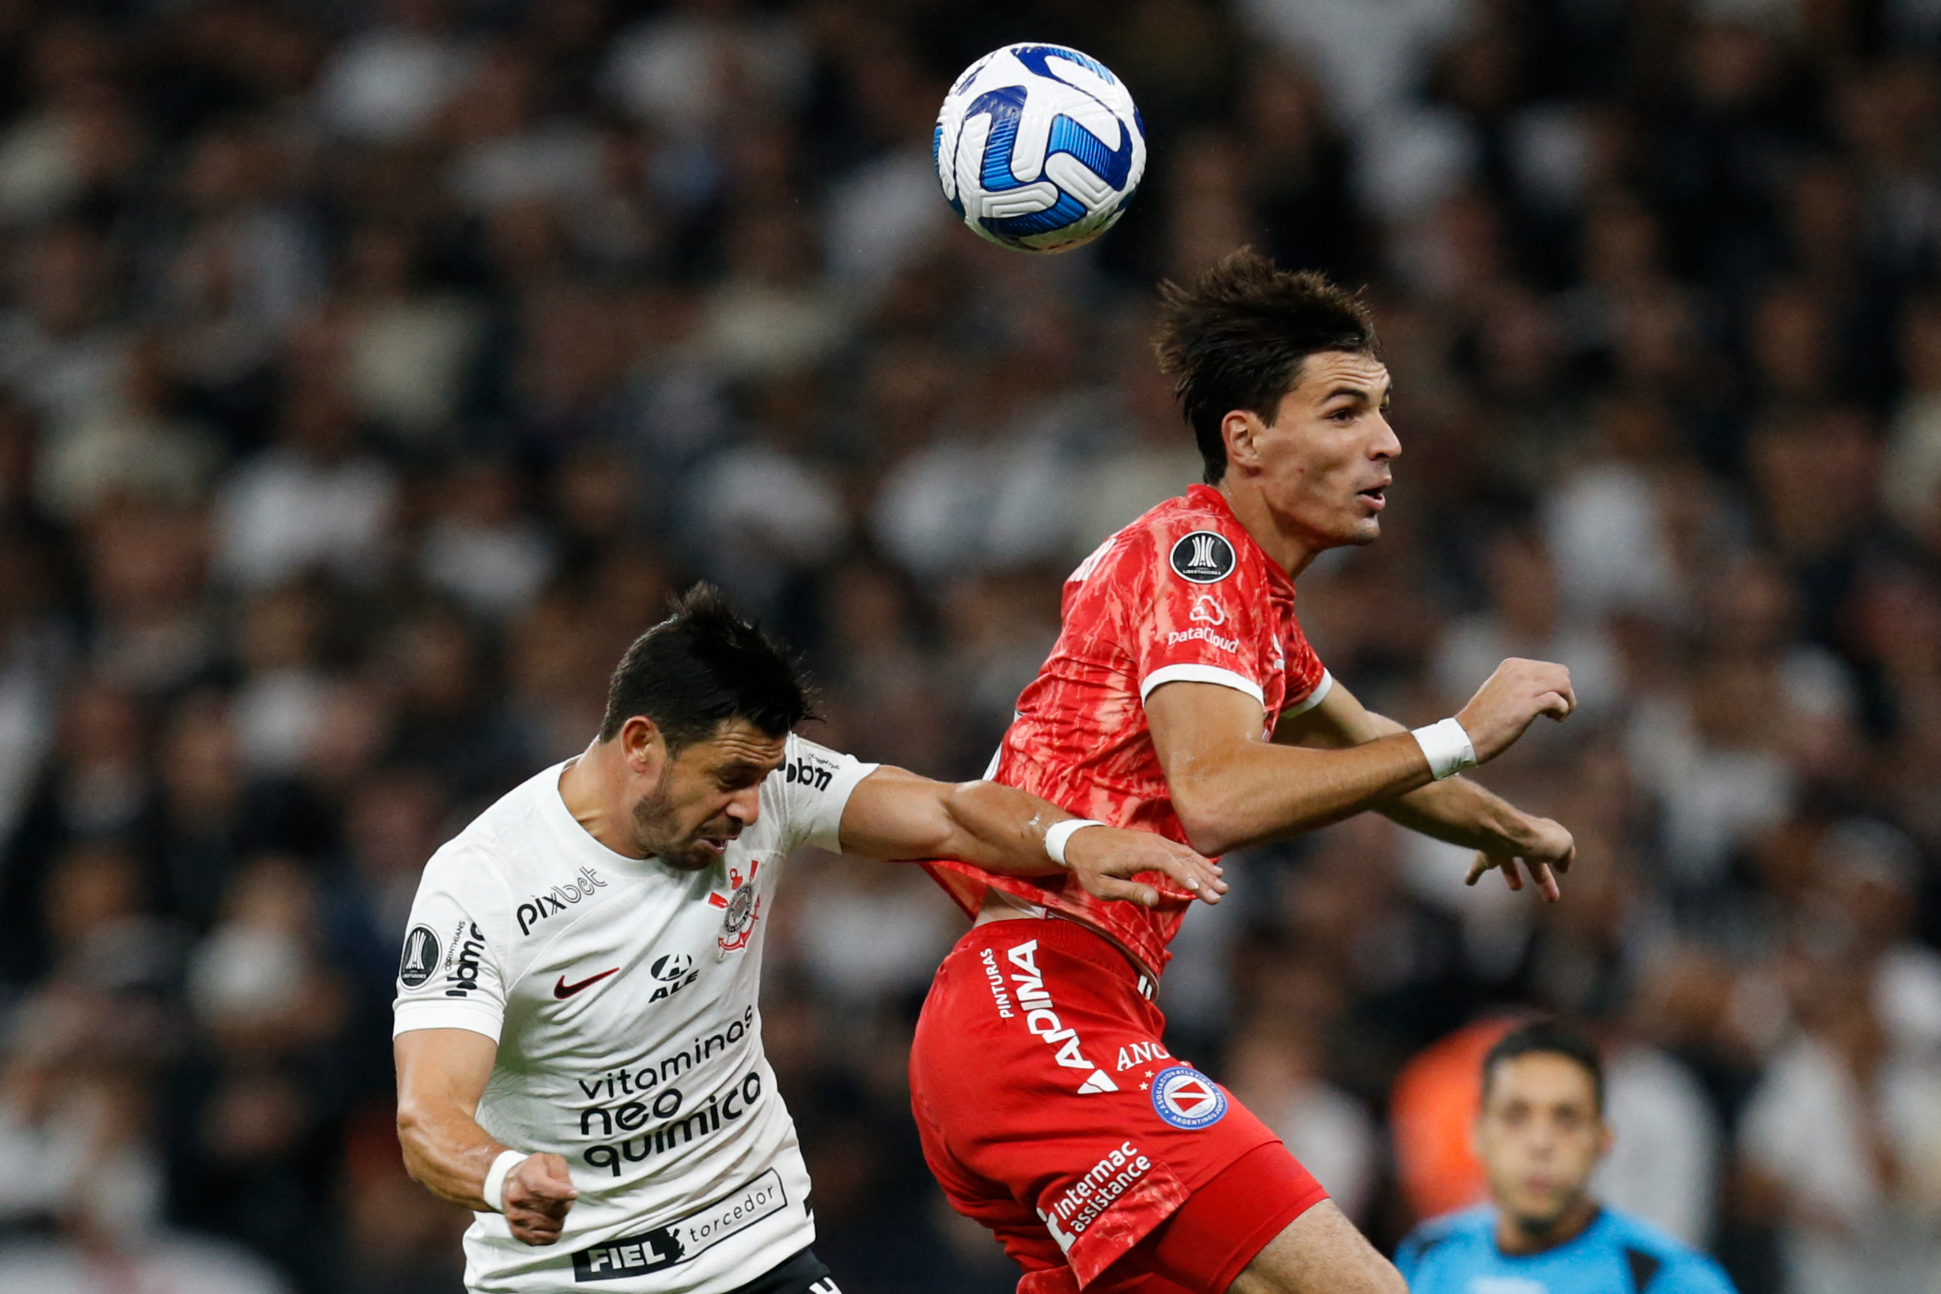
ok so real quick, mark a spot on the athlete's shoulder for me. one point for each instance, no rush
(1445, 1235)
(1659, 1262)
(803, 800)
(806, 762)
(1201, 509)
(1195, 535)
(507, 848)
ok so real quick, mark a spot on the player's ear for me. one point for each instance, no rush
(1606, 1138)
(1241, 430)
(642, 745)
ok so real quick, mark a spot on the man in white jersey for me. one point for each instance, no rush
(577, 1034)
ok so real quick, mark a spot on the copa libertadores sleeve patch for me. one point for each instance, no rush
(1204, 557)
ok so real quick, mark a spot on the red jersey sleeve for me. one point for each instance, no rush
(1206, 616)
(1307, 679)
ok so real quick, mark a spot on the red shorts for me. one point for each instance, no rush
(1051, 1112)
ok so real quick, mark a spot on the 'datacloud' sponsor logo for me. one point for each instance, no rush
(1200, 633)
(679, 1241)
(1091, 1195)
(420, 957)
(1187, 1099)
(558, 899)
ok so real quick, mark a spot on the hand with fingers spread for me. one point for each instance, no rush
(1548, 852)
(1510, 701)
(1106, 860)
(538, 1193)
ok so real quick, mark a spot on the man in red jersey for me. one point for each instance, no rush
(1182, 697)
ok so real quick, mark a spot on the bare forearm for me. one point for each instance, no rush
(1455, 809)
(1267, 792)
(447, 1152)
(1463, 813)
(999, 828)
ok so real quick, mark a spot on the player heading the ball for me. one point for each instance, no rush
(1182, 696)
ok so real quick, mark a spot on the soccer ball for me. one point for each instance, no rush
(1039, 147)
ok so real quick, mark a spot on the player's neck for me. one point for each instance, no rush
(593, 788)
(1518, 1238)
(1291, 550)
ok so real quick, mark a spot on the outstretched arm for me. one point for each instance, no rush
(1232, 788)
(1455, 809)
(894, 814)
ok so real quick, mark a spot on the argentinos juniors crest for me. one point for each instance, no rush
(741, 909)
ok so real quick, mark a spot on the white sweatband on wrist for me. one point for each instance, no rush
(1446, 746)
(1059, 832)
(494, 1189)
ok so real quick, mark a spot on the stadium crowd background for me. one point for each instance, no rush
(370, 374)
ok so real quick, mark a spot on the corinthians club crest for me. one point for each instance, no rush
(740, 910)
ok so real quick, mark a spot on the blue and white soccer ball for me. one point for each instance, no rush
(1039, 147)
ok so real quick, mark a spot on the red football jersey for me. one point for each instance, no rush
(1182, 594)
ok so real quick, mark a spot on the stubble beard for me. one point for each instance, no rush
(657, 829)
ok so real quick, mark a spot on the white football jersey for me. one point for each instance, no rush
(622, 994)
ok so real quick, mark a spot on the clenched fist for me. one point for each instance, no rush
(538, 1193)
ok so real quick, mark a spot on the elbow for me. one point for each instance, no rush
(411, 1142)
(1211, 827)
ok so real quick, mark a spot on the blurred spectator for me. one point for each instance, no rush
(1842, 1140)
(479, 547)
(407, 344)
(128, 445)
(1664, 1167)
(389, 80)
(868, 932)
(1526, 621)
(310, 501)
(62, 349)
(1910, 482)
(279, 704)
(1867, 875)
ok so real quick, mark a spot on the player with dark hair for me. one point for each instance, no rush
(1540, 1133)
(577, 1035)
(1182, 697)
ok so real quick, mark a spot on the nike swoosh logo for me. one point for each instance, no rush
(563, 990)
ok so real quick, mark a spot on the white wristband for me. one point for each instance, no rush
(494, 1189)
(1446, 746)
(1059, 832)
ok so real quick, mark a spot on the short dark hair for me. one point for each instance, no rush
(1546, 1038)
(1237, 337)
(701, 667)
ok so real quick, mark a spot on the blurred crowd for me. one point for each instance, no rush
(370, 373)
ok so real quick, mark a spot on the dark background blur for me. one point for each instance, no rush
(369, 374)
